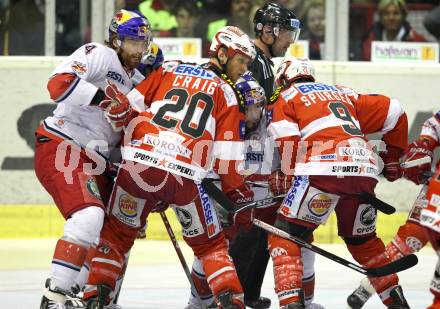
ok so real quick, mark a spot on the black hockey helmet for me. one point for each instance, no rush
(278, 17)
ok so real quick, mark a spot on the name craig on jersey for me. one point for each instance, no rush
(202, 84)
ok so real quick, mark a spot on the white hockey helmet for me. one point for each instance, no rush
(235, 40)
(291, 69)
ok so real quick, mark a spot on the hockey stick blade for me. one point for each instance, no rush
(394, 267)
(274, 230)
(376, 203)
(417, 162)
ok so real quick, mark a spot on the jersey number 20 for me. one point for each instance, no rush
(164, 116)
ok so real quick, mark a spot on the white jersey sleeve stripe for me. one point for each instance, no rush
(395, 110)
(68, 90)
(219, 272)
(228, 150)
(283, 128)
(323, 123)
(80, 93)
(136, 100)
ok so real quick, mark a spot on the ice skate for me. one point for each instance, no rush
(399, 301)
(56, 298)
(359, 297)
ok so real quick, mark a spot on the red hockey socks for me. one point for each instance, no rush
(372, 254)
(287, 269)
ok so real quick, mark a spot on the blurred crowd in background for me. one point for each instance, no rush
(22, 22)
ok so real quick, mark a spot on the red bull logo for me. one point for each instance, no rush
(320, 204)
(142, 31)
(79, 67)
(128, 205)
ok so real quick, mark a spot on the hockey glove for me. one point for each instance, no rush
(279, 183)
(417, 150)
(118, 110)
(392, 170)
(240, 196)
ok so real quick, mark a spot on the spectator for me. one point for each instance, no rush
(315, 28)
(21, 28)
(187, 13)
(238, 16)
(158, 13)
(432, 22)
(392, 26)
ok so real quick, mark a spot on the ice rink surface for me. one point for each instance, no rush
(155, 278)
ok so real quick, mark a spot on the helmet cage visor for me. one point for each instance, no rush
(131, 45)
(291, 30)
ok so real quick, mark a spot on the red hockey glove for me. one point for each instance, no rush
(279, 183)
(417, 150)
(392, 170)
(239, 196)
(118, 110)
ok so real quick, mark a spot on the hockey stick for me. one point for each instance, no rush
(399, 265)
(260, 203)
(383, 206)
(376, 203)
(181, 257)
(218, 195)
(416, 162)
(208, 185)
(391, 268)
(370, 199)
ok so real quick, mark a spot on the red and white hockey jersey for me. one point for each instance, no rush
(72, 85)
(431, 130)
(192, 124)
(331, 121)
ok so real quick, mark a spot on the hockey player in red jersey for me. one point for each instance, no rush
(320, 131)
(73, 145)
(427, 213)
(262, 165)
(411, 236)
(192, 124)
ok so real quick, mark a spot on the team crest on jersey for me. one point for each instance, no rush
(93, 189)
(79, 67)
